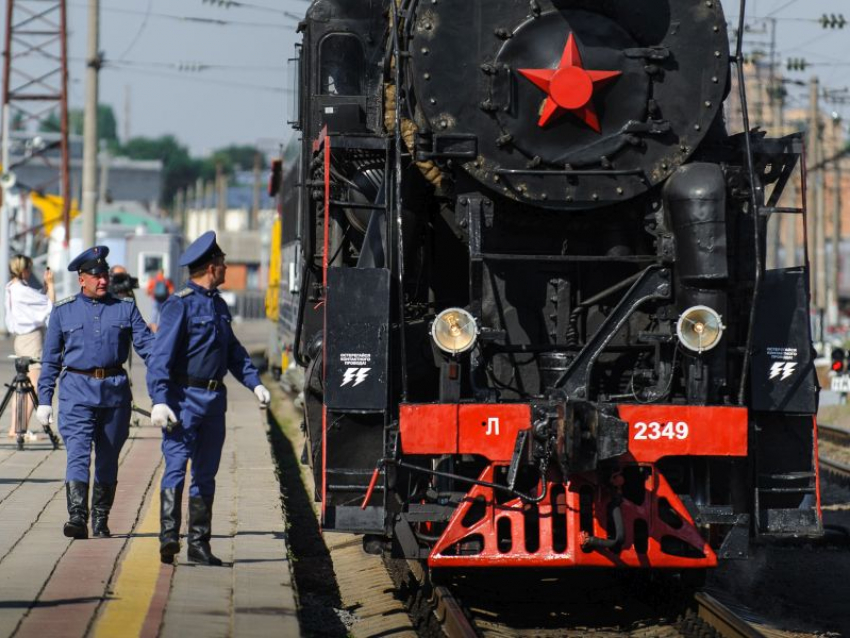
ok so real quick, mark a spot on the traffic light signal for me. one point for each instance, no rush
(839, 360)
(797, 64)
(833, 21)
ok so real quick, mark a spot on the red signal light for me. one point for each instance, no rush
(839, 360)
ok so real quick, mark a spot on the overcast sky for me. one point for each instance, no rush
(146, 41)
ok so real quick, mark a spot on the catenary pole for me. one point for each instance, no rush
(90, 143)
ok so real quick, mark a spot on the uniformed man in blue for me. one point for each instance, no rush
(88, 342)
(194, 349)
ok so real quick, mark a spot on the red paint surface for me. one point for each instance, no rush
(428, 428)
(475, 421)
(551, 549)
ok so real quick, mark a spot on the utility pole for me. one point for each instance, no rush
(127, 109)
(820, 213)
(816, 202)
(835, 272)
(254, 218)
(188, 207)
(180, 206)
(103, 186)
(221, 197)
(90, 142)
(776, 98)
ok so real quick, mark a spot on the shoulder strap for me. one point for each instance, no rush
(64, 301)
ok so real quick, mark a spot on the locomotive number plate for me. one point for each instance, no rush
(657, 430)
(654, 430)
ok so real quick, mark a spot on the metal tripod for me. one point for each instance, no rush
(21, 387)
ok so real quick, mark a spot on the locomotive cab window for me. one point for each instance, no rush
(341, 65)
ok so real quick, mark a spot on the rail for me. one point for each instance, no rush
(724, 621)
(832, 434)
(450, 616)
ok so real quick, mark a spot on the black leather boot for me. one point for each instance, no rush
(102, 497)
(77, 494)
(170, 502)
(200, 530)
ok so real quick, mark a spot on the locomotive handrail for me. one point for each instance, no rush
(754, 204)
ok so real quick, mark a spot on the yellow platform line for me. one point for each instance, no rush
(125, 612)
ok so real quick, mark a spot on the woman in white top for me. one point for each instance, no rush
(27, 311)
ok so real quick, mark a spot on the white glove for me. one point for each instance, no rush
(44, 414)
(161, 414)
(263, 396)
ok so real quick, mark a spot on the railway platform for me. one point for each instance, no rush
(55, 586)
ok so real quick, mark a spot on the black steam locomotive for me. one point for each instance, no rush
(523, 272)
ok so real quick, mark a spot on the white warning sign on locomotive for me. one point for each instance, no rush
(357, 368)
(782, 353)
(784, 362)
(358, 375)
(782, 370)
(358, 359)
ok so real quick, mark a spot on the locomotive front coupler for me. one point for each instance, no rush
(584, 433)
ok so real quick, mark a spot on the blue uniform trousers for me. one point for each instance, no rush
(106, 428)
(198, 438)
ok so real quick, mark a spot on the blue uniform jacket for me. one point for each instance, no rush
(195, 339)
(86, 333)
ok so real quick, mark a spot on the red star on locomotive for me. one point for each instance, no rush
(569, 87)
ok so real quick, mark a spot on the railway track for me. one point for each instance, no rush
(438, 611)
(831, 467)
(832, 434)
(722, 619)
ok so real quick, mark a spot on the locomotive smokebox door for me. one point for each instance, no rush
(357, 337)
(782, 373)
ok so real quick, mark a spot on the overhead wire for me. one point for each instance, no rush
(195, 78)
(190, 19)
(194, 66)
(139, 32)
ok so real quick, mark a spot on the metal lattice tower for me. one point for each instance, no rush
(35, 85)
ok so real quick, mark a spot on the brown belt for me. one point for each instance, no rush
(194, 382)
(100, 373)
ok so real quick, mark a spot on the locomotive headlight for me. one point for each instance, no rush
(454, 330)
(700, 328)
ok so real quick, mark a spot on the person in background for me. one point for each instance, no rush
(121, 284)
(88, 342)
(194, 349)
(160, 288)
(27, 311)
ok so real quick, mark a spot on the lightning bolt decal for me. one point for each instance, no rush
(358, 375)
(361, 376)
(785, 369)
(349, 376)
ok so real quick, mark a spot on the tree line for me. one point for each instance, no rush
(179, 168)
